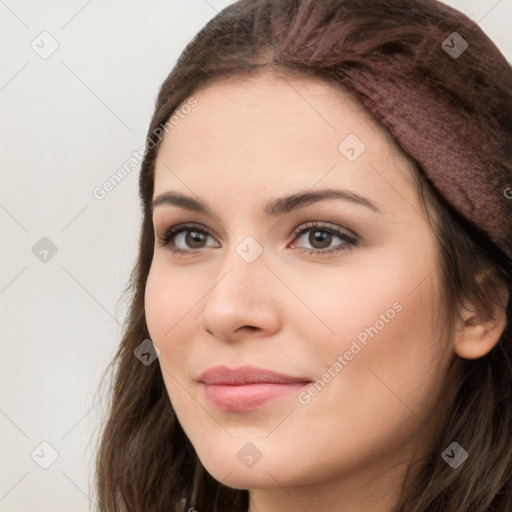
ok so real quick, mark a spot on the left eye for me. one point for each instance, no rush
(320, 237)
(323, 236)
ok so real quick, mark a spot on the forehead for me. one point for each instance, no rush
(267, 132)
(270, 101)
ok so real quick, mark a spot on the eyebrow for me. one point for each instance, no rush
(275, 207)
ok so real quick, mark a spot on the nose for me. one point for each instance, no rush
(242, 301)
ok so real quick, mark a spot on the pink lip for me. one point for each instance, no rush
(246, 388)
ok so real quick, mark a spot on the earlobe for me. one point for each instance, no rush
(475, 338)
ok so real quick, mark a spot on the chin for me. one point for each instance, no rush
(242, 478)
(268, 472)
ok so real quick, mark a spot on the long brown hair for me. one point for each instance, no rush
(145, 461)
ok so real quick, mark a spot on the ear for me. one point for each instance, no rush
(475, 338)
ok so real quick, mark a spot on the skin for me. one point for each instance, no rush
(347, 449)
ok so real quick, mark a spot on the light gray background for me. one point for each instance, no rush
(68, 122)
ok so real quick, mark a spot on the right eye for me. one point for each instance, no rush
(184, 234)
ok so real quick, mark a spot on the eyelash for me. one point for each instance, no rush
(350, 241)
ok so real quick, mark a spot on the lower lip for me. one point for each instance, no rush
(248, 397)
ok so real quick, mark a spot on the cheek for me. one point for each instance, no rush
(366, 303)
(169, 308)
(169, 301)
(382, 348)
(386, 357)
(382, 398)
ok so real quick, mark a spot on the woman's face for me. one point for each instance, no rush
(354, 321)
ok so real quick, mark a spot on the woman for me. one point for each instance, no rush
(320, 312)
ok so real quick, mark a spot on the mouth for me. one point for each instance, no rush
(247, 388)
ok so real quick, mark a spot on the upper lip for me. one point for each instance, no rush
(222, 375)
